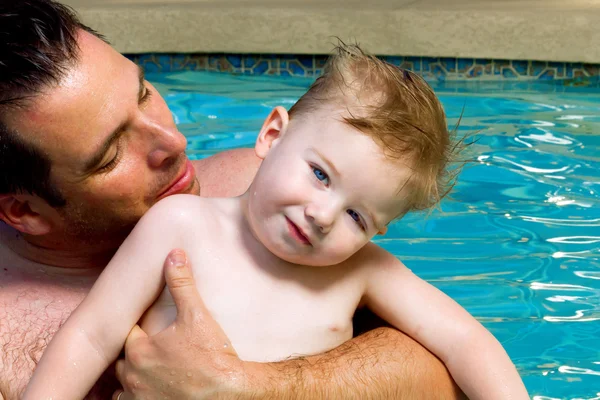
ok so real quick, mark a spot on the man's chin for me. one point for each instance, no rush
(195, 188)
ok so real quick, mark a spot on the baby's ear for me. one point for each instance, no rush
(273, 129)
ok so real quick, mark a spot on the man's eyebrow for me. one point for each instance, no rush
(326, 161)
(99, 155)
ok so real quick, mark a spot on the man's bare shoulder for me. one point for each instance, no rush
(227, 174)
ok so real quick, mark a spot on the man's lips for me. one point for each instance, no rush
(297, 233)
(181, 182)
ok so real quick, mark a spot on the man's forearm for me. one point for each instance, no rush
(380, 364)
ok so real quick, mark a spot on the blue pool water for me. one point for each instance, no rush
(517, 244)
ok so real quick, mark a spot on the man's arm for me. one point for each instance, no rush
(194, 359)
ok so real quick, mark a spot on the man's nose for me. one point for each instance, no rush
(167, 144)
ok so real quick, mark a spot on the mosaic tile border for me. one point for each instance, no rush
(440, 69)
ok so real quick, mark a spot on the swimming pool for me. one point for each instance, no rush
(518, 243)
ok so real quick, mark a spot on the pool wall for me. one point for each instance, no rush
(442, 39)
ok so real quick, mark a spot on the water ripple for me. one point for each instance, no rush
(516, 243)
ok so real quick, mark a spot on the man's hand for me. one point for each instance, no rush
(153, 367)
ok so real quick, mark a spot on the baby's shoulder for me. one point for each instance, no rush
(374, 256)
(183, 211)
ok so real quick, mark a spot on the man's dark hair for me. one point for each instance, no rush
(37, 45)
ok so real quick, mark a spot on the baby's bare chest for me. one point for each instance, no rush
(272, 312)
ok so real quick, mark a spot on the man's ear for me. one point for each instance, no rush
(26, 213)
(273, 128)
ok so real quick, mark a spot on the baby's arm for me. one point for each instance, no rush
(95, 332)
(475, 359)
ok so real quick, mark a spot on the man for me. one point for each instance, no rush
(86, 147)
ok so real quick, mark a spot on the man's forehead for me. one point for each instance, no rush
(85, 103)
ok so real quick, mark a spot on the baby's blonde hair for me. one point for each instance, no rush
(399, 110)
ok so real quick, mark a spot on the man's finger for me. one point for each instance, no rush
(181, 284)
(135, 334)
(119, 370)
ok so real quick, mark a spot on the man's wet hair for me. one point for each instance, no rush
(38, 44)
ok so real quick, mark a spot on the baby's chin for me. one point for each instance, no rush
(308, 260)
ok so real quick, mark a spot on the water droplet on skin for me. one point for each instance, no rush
(173, 372)
(225, 346)
(171, 383)
(189, 374)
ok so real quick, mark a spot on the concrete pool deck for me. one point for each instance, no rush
(548, 30)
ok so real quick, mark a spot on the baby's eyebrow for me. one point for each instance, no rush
(326, 161)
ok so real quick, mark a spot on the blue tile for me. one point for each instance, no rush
(142, 58)
(249, 61)
(283, 64)
(476, 71)
(164, 61)
(235, 61)
(559, 67)
(521, 67)
(548, 74)
(431, 68)
(508, 73)
(149, 64)
(397, 61)
(591, 69)
(416, 63)
(181, 62)
(449, 64)
(500, 65)
(213, 62)
(320, 61)
(464, 64)
(438, 72)
(427, 63)
(428, 76)
(261, 67)
(570, 68)
(306, 61)
(296, 69)
(536, 68)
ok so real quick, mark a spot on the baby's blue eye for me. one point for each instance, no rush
(322, 176)
(356, 217)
